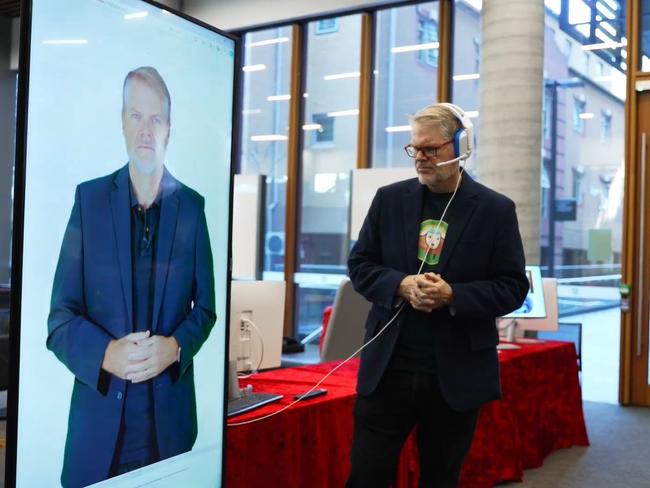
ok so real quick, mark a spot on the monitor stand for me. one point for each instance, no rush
(244, 400)
(513, 340)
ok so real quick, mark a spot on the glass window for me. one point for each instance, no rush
(605, 126)
(467, 59)
(583, 252)
(606, 181)
(327, 26)
(331, 113)
(547, 117)
(323, 128)
(578, 173)
(406, 77)
(580, 16)
(585, 63)
(545, 185)
(553, 5)
(312, 299)
(644, 36)
(428, 35)
(598, 26)
(264, 133)
(579, 113)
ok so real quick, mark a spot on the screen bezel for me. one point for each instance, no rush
(20, 163)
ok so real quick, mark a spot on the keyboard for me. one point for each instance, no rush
(246, 403)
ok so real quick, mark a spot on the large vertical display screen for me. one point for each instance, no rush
(123, 288)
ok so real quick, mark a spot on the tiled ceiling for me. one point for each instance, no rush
(10, 8)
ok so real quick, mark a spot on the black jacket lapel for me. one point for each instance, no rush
(458, 215)
(412, 211)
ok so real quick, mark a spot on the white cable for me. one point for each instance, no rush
(399, 310)
(259, 334)
(236, 424)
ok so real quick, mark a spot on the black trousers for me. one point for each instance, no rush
(383, 420)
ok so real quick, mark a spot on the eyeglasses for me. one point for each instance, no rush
(428, 151)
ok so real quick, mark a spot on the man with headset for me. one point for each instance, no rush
(440, 257)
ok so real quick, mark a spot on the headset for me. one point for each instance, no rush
(464, 136)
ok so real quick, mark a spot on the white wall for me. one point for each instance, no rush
(237, 14)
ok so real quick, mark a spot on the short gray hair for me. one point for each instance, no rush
(150, 77)
(440, 117)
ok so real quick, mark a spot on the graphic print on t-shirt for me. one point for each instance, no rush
(434, 236)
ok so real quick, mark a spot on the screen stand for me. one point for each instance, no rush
(244, 400)
(233, 382)
(511, 336)
(510, 330)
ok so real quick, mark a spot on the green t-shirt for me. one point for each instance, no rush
(433, 231)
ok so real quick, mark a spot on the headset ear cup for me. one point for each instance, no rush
(464, 137)
(460, 142)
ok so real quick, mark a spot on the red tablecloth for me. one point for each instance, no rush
(308, 445)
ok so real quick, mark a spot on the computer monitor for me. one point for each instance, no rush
(534, 304)
(345, 330)
(249, 199)
(256, 324)
(125, 110)
(514, 328)
(548, 323)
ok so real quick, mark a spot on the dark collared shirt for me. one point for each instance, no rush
(137, 434)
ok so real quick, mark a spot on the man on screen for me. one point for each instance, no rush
(132, 301)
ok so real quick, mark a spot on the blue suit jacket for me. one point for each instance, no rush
(92, 304)
(482, 260)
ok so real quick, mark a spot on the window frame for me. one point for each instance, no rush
(365, 143)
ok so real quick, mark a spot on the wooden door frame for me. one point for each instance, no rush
(634, 389)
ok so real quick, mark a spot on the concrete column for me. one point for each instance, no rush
(510, 107)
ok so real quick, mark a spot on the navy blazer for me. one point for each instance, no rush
(92, 304)
(483, 262)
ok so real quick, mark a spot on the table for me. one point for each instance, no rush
(308, 445)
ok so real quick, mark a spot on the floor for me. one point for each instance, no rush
(617, 457)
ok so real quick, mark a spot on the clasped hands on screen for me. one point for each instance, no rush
(139, 357)
(426, 292)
